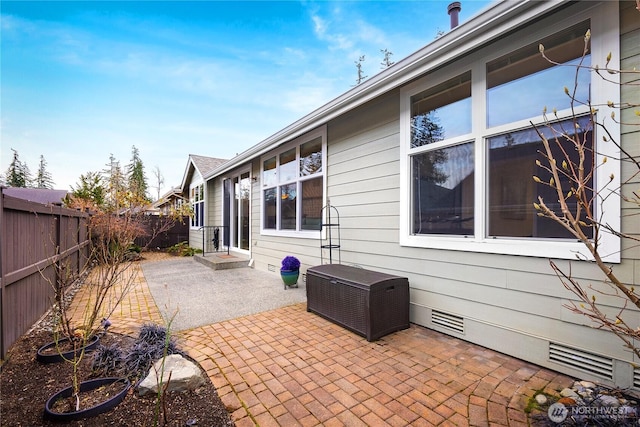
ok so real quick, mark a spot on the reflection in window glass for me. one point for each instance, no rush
(311, 204)
(269, 208)
(525, 79)
(441, 112)
(512, 191)
(269, 176)
(288, 170)
(288, 195)
(443, 191)
(311, 157)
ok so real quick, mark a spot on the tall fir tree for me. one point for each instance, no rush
(43, 178)
(136, 178)
(116, 187)
(18, 174)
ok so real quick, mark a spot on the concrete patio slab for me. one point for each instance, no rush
(199, 295)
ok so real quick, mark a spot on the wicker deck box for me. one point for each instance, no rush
(369, 303)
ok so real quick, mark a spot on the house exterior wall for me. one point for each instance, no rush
(630, 59)
(513, 304)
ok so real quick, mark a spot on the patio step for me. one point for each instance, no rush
(222, 261)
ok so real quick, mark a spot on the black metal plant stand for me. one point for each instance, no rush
(330, 218)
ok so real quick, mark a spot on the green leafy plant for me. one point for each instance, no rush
(183, 249)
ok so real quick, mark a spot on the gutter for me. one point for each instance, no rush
(486, 26)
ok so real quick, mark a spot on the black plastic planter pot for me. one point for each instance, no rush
(54, 357)
(89, 385)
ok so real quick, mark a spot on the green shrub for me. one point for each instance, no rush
(183, 249)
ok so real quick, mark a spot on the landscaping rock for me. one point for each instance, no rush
(185, 375)
(567, 392)
(607, 400)
(541, 399)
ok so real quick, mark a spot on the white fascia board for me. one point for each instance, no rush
(494, 21)
(190, 163)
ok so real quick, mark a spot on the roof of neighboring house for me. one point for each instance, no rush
(175, 192)
(44, 196)
(203, 164)
(490, 24)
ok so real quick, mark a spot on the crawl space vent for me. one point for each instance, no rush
(636, 378)
(582, 360)
(449, 321)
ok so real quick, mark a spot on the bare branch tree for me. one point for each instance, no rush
(570, 163)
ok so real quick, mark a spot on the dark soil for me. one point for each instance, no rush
(26, 384)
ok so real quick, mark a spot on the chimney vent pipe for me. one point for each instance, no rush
(453, 10)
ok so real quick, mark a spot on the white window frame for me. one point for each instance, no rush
(297, 142)
(604, 39)
(193, 221)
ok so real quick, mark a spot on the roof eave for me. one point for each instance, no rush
(495, 20)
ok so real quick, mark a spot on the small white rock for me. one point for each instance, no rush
(567, 392)
(586, 393)
(609, 400)
(587, 384)
(541, 399)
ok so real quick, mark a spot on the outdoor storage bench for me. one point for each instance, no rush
(369, 303)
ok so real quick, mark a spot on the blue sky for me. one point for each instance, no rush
(83, 80)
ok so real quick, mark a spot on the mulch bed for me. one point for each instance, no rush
(26, 384)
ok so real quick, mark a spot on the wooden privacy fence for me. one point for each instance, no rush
(178, 233)
(34, 239)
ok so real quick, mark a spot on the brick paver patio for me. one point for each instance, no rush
(288, 367)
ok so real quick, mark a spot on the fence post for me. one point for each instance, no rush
(2, 278)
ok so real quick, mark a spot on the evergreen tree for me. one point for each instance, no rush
(361, 75)
(43, 179)
(90, 190)
(18, 174)
(386, 60)
(425, 130)
(136, 178)
(116, 187)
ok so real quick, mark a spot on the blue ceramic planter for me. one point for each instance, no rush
(290, 277)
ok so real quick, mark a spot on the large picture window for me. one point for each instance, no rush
(467, 134)
(293, 186)
(512, 164)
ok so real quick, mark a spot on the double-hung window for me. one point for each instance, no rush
(470, 145)
(197, 205)
(293, 186)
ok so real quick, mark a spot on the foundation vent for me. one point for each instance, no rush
(449, 321)
(582, 360)
(636, 378)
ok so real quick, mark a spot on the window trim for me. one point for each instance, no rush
(296, 142)
(192, 202)
(605, 38)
